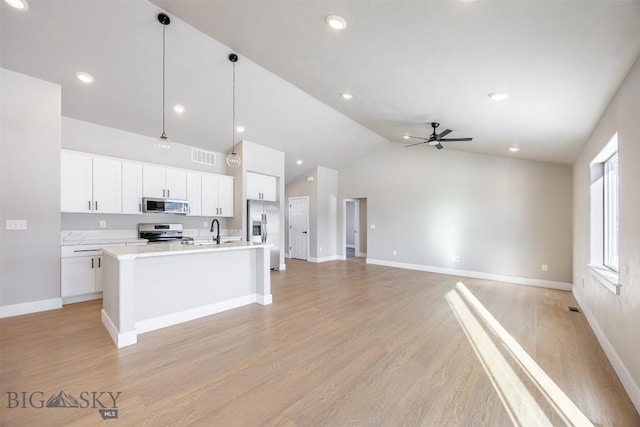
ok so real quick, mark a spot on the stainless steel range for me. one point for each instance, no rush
(160, 233)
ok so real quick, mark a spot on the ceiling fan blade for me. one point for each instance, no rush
(444, 133)
(439, 146)
(417, 137)
(456, 139)
(417, 143)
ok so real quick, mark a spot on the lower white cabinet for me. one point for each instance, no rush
(81, 272)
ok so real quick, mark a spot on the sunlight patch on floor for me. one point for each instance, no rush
(484, 332)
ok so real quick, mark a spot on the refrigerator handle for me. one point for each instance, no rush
(264, 228)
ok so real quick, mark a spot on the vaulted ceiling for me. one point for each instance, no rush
(406, 63)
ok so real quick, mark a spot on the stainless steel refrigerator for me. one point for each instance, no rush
(263, 226)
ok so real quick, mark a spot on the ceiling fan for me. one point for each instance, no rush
(436, 138)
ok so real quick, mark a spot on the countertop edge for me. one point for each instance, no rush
(184, 250)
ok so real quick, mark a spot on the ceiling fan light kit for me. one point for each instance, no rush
(436, 138)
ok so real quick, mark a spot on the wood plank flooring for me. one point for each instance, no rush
(344, 343)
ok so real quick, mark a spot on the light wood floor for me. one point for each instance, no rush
(344, 343)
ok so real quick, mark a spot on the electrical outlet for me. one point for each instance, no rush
(16, 224)
(545, 267)
(456, 258)
(103, 223)
(206, 224)
(372, 226)
(395, 252)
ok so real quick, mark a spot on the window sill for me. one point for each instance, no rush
(609, 279)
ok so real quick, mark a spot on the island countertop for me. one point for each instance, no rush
(164, 249)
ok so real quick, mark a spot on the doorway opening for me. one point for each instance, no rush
(354, 236)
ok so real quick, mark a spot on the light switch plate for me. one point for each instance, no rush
(372, 226)
(103, 223)
(16, 224)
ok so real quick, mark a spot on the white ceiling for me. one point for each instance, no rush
(406, 63)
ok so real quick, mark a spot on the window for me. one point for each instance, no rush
(604, 216)
(610, 205)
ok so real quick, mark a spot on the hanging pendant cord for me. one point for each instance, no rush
(233, 112)
(164, 29)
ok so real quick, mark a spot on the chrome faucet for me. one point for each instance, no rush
(217, 239)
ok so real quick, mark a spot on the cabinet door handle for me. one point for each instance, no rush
(91, 262)
(168, 193)
(139, 207)
(96, 203)
(99, 262)
(89, 204)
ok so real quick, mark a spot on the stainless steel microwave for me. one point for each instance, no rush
(150, 204)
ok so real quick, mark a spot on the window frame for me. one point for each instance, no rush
(604, 203)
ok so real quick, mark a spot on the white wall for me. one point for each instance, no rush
(30, 190)
(327, 207)
(615, 319)
(501, 216)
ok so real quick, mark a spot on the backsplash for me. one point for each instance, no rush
(89, 221)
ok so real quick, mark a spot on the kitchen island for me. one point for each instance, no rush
(155, 286)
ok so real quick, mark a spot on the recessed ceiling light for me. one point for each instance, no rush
(240, 129)
(298, 162)
(179, 108)
(514, 149)
(18, 4)
(499, 96)
(347, 95)
(85, 77)
(336, 22)
(405, 136)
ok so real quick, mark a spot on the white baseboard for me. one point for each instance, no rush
(361, 254)
(30, 307)
(193, 313)
(282, 267)
(81, 298)
(475, 274)
(287, 255)
(120, 339)
(629, 384)
(326, 258)
(264, 299)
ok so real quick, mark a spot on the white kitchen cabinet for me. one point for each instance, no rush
(107, 185)
(160, 181)
(217, 195)
(194, 193)
(261, 187)
(78, 276)
(81, 276)
(90, 184)
(75, 182)
(131, 187)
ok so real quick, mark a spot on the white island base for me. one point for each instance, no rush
(152, 287)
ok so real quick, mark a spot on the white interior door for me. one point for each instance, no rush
(299, 228)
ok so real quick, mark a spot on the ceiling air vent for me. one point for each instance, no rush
(202, 156)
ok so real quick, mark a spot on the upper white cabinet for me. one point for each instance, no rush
(160, 181)
(261, 187)
(217, 195)
(194, 193)
(90, 184)
(99, 184)
(131, 187)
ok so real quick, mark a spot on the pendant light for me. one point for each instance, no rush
(162, 144)
(233, 160)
